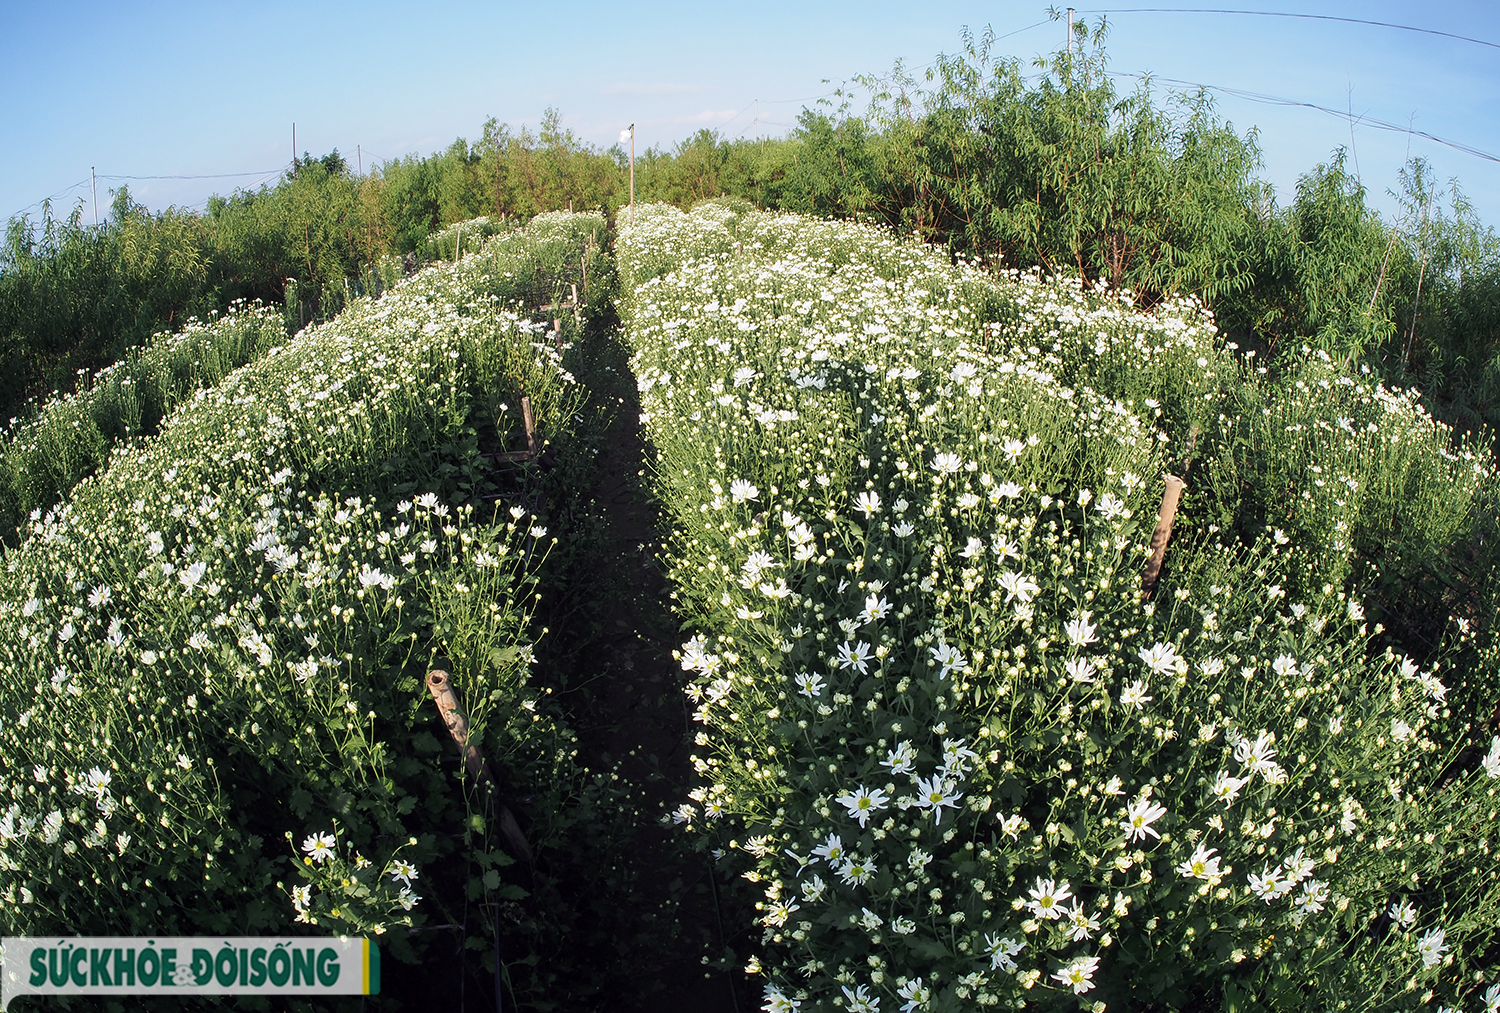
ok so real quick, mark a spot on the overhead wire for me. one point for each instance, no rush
(262, 176)
(216, 175)
(1288, 14)
(1362, 120)
(55, 196)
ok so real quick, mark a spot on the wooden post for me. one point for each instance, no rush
(458, 243)
(576, 318)
(441, 688)
(531, 440)
(1163, 533)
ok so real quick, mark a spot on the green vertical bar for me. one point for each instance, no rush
(374, 969)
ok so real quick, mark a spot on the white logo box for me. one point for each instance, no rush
(187, 965)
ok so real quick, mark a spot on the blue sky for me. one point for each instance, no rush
(155, 89)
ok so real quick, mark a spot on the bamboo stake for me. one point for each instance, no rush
(441, 688)
(531, 440)
(1406, 356)
(1163, 534)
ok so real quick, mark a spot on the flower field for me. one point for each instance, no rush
(68, 437)
(215, 646)
(940, 729)
(961, 754)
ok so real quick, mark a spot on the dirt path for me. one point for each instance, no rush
(625, 696)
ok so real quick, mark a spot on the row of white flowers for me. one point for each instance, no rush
(229, 624)
(965, 762)
(56, 442)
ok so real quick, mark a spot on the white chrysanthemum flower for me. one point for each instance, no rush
(775, 1000)
(1002, 951)
(831, 850)
(1018, 587)
(1111, 506)
(1080, 631)
(1431, 947)
(1269, 884)
(1012, 825)
(859, 1000)
(916, 994)
(875, 608)
(1160, 658)
(902, 759)
(856, 656)
(1081, 924)
(319, 847)
(1139, 816)
(1077, 974)
(1492, 758)
(1047, 897)
(1256, 755)
(191, 576)
(96, 782)
(808, 684)
(856, 871)
(758, 562)
(1226, 787)
(1079, 669)
(935, 793)
(863, 803)
(949, 658)
(1201, 865)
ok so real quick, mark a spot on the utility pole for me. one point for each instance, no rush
(632, 175)
(1070, 31)
(294, 148)
(94, 187)
(360, 156)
